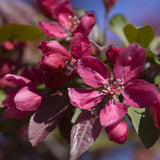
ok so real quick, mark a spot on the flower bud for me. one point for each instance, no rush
(113, 53)
(80, 46)
(52, 63)
(117, 133)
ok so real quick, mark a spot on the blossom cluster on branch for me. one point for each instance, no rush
(109, 84)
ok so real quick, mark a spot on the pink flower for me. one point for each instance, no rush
(21, 101)
(117, 133)
(80, 46)
(48, 7)
(113, 53)
(135, 92)
(155, 112)
(68, 23)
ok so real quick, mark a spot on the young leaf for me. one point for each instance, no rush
(84, 132)
(19, 32)
(117, 24)
(46, 118)
(144, 125)
(142, 35)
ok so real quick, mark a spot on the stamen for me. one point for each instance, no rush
(70, 17)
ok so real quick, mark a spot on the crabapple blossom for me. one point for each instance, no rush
(123, 81)
(22, 101)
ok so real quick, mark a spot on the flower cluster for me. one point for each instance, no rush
(104, 81)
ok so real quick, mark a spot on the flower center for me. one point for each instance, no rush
(113, 86)
(74, 22)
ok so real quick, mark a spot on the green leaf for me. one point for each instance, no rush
(117, 24)
(157, 59)
(142, 35)
(157, 80)
(19, 32)
(144, 125)
(2, 95)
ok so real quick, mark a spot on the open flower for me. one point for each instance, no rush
(68, 23)
(22, 101)
(123, 81)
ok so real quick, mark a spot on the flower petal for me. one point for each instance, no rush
(155, 112)
(84, 99)
(64, 13)
(27, 99)
(80, 46)
(52, 30)
(129, 62)
(11, 111)
(87, 22)
(140, 93)
(112, 113)
(93, 72)
(18, 80)
(14, 113)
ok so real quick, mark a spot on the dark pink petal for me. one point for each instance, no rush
(47, 7)
(80, 46)
(64, 13)
(55, 81)
(18, 80)
(93, 71)
(129, 63)
(14, 113)
(27, 99)
(117, 133)
(113, 112)
(84, 99)
(155, 112)
(52, 30)
(139, 93)
(52, 63)
(87, 22)
(56, 48)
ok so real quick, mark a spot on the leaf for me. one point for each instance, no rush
(19, 32)
(2, 95)
(46, 118)
(65, 124)
(144, 125)
(157, 59)
(142, 35)
(157, 80)
(117, 24)
(83, 134)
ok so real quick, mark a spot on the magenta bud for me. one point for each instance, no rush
(117, 133)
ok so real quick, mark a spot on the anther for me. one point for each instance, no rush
(69, 17)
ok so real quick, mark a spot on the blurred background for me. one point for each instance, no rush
(13, 135)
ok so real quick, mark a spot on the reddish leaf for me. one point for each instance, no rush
(65, 124)
(46, 118)
(84, 132)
